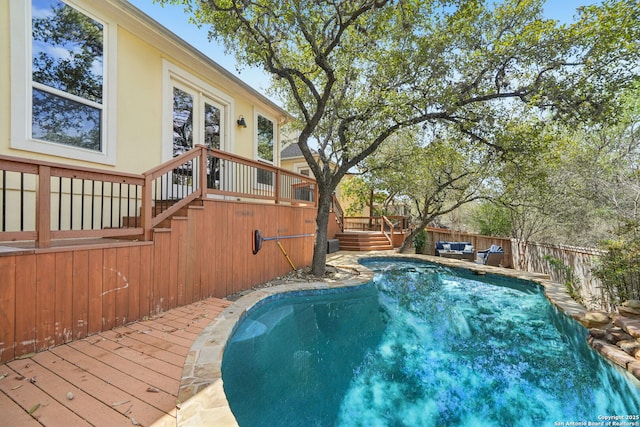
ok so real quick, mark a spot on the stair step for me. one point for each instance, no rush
(161, 206)
(365, 248)
(131, 221)
(372, 239)
(363, 242)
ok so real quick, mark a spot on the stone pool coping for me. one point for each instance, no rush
(201, 397)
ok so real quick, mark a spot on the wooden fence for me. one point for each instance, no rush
(479, 242)
(533, 258)
(55, 295)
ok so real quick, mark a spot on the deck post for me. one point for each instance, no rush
(204, 161)
(145, 215)
(277, 192)
(43, 207)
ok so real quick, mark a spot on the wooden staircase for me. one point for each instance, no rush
(159, 207)
(363, 241)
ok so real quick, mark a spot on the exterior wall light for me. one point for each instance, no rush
(241, 122)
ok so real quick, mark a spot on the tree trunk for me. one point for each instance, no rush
(371, 209)
(318, 264)
(409, 239)
(522, 252)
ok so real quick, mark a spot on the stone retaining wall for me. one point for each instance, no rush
(617, 337)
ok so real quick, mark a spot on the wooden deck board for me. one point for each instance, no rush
(79, 402)
(154, 343)
(109, 374)
(39, 404)
(126, 405)
(166, 335)
(18, 416)
(173, 327)
(159, 366)
(144, 348)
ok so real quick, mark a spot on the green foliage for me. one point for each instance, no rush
(619, 269)
(355, 74)
(581, 184)
(419, 240)
(491, 219)
(357, 194)
(569, 278)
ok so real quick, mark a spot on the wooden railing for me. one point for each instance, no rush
(373, 223)
(336, 208)
(42, 201)
(232, 175)
(386, 222)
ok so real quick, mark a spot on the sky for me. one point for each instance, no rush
(175, 19)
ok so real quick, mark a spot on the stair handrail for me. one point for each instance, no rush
(195, 190)
(338, 211)
(391, 228)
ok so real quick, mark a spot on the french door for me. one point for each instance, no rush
(197, 119)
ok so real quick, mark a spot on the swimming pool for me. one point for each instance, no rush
(420, 345)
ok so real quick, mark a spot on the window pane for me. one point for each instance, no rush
(67, 50)
(182, 121)
(265, 138)
(61, 120)
(211, 126)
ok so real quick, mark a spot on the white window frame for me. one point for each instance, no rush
(174, 76)
(276, 138)
(303, 166)
(276, 155)
(22, 87)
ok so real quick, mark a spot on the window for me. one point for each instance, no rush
(207, 117)
(266, 147)
(265, 139)
(207, 114)
(63, 76)
(182, 121)
(194, 112)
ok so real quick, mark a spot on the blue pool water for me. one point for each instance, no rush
(421, 345)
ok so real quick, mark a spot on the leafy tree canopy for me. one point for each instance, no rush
(492, 219)
(355, 72)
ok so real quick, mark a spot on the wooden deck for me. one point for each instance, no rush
(123, 377)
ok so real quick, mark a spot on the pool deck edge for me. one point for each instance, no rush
(201, 397)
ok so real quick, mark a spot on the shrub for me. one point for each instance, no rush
(419, 241)
(619, 270)
(569, 278)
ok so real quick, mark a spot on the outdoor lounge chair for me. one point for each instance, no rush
(491, 256)
(458, 250)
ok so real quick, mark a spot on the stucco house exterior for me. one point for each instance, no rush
(140, 93)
